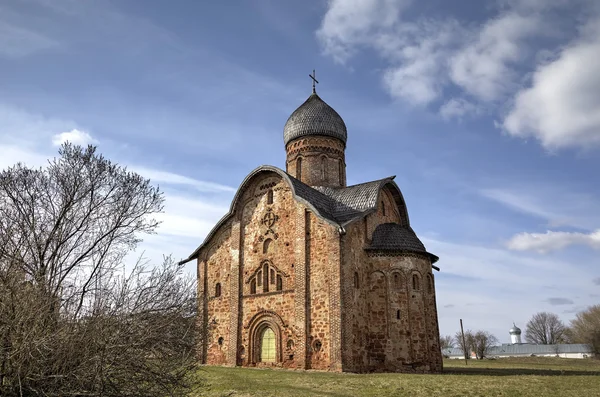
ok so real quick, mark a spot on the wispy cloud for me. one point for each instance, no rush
(17, 42)
(559, 301)
(165, 177)
(552, 241)
(558, 205)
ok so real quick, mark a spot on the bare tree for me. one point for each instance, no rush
(446, 342)
(585, 328)
(71, 323)
(482, 342)
(467, 346)
(545, 329)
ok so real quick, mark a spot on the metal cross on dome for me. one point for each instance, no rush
(313, 76)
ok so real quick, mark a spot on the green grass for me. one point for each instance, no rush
(510, 377)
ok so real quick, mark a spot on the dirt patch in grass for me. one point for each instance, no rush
(526, 377)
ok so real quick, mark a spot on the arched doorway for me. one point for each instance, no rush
(265, 339)
(268, 348)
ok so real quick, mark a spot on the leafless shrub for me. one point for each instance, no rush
(585, 328)
(71, 322)
(545, 329)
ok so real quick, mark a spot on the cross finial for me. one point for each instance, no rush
(313, 76)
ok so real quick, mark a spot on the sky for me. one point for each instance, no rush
(488, 113)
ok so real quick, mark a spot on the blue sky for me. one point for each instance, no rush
(488, 113)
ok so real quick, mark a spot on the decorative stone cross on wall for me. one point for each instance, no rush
(313, 76)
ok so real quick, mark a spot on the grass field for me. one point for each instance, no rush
(510, 377)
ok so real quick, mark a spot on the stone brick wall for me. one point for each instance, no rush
(391, 325)
(322, 161)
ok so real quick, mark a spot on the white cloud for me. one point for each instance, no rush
(552, 241)
(560, 109)
(348, 23)
(483, 66)
(75, 136)
(425, 59)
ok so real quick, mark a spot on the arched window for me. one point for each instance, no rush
(267, 346)
(383, 208)
(356, 281)
(259, 278)
(299, 168)
(265, 278)
(416, 282)
(218, 290)
(279, 283)
(323, 165)
(253, 286)
(266, 245)
(270, 196)
(397, 281)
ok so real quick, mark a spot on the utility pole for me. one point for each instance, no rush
(462, 331)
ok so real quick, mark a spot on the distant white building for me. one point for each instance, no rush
(518, 349)
(515, 335)
(528, 350)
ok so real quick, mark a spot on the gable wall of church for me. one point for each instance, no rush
(387, 211)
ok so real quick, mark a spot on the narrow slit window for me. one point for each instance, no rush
(253, 286)
(266, 278)
(397, 314)
(323, 165)
(299, 168)
(218, 290)
(259, 278)
(279, 283)
(270, 196)
(416, 285)
(356, 281)
(383, 208)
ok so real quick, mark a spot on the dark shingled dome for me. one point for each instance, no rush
(395, 237)
(314, 117)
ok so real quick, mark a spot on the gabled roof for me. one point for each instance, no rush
(338, 206)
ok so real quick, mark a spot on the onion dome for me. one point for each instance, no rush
(314, 117)
(515, 330)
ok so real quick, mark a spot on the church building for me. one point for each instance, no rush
(306, 272)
